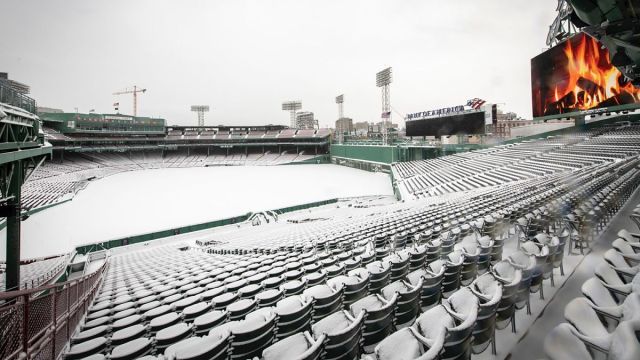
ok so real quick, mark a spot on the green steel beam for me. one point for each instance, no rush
(24, 154)
(12, 146)
(13, 228)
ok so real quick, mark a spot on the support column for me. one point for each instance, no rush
(13, 229)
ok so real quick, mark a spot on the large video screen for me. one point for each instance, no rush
(464, 124)
(577, 75)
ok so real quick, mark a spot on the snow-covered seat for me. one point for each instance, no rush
(249, 291)
(629, 236)
(300, 346)
(223, 300)
(625, 268)
(431, 278)
(525, 263)
(485, 246)
(343, 334)
(598, 294)
(326, 300)
(408, 343)
(586, 325)
(209, 320)
(510, 278)
(611, 280)
(541, 255)
(239, 309)
(488, 290)
(172, 334)
(269, 297)
(163, 321)
(127, 334)
(399, 263)
(625, 344)
(433, 250)
(315, 278)
(251, 335)
(86, 348)
(273, 282)
(629, 310)
(627, 247)
(379, 318)
(196, 348)
(132, 349)
(195, 310)
(380, 274)
(463, 308)
(211, 293)
(453, 267)
(562, 344)
(335, 270)
(293, 287)
(408, 303)
(432, 325)
(469, 269)
(418, 257)
(89, 334)
(294, 315)
(355, 284)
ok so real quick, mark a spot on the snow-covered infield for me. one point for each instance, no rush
(137, 202)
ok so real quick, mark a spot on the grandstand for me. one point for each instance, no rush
(481, 248)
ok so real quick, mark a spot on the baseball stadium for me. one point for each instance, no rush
(462, 232)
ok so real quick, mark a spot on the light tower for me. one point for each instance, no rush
(200, 109)
(383, 80)
(292, 107)
(340, 130)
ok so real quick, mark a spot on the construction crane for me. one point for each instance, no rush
(135, 92)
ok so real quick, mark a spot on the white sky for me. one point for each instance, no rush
(245, 57)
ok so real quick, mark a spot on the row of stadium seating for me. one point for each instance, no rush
(504, 164)
(606, 320)
(53, 182)
(180, 134)
(453, 270)
(37, 273)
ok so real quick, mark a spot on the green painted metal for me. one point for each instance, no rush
(110, 244)
(13, 228)
(616, 108)
(24, 154)
(101, 123)
(12, 97)
(384, 154)
(371, 153)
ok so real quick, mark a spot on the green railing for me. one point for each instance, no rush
(84, 249)
(11, 97)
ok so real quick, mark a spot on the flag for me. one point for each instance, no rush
(116, 104)
(475, 103)
(92, 110)
(386, 115)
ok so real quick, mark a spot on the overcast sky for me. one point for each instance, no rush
(243, 58)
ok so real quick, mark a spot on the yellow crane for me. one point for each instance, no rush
(135, 92)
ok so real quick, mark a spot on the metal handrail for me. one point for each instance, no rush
(39, 322)
(12, 97)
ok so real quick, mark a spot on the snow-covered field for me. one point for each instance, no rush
(148, 200)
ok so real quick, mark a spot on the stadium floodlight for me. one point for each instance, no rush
(383, 80)
(383, 77)
(200, 109)
(339, 128)
(292, 107)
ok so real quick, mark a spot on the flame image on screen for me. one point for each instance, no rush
(579, 76)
